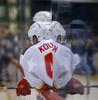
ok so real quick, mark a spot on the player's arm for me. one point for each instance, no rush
(23, 87)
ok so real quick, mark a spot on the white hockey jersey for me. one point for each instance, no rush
(50, 62)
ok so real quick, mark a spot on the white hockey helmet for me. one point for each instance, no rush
(42, 16)
(46, 30)
(42, 30)
(58, 30)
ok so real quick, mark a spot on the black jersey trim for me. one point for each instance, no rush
(26, 49)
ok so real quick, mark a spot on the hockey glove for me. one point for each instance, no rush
(23, 88)
(74, 86)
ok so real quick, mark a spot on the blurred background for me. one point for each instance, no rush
(78, 17)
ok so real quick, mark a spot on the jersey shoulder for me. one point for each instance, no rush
(29, 48)
(26, 49)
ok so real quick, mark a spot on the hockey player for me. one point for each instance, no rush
(46, 63)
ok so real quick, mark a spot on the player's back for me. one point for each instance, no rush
(47, 60)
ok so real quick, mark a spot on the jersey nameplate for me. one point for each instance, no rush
(47, 46)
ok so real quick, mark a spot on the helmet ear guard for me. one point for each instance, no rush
(32, 39)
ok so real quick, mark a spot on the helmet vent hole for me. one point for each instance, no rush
(38, 36)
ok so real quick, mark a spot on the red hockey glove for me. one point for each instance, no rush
(23, 88)
(74, 86)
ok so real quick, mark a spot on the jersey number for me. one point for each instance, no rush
(48, 64)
